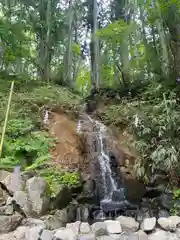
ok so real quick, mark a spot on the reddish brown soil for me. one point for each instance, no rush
(66, 153)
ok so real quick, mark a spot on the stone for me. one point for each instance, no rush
(52, 222)
(63, 197)
(13, 182)
(9, 210)
(9, 223)
(148, 224)
(111, 237)
(19, 233)
(86, 237)
(37, 190)
(33, 233)
(74, 226)
(170, 223)
(159, 235)
(85, 228)
(66, 234)
(4, 174)
(141, 235)
(9, 200)
(163, 213)
(113, 227)
(62, 215)
(178, 232)
(32, 222)
(8, 236)
(128, 223)
(22, 199)
(46, 235)
(99, 228)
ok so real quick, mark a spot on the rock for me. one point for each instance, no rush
(74, 226)
(159, 235)
(169, 224)
(9, 223)
(4, 174)
(2, 210)
(178, 233)
(113, 227)
(119, 195)
(141, 235)
(128, 223)
(13, 182)
(46, 235)
(9, 200)
(99, 228)
(63, 197)
(88, 187)
(33, 233)
(143, 213)
(8, 236)
(22, 199)
(82, 213)
(37, 190)
(85, 228)
(148, 224)
(163, 213)
(19, 233)
(111, 237)
(87, 237)
(32, 222)
(62, 215)
(52, 222)
(9, 210)
(67, 234)
(167, 201)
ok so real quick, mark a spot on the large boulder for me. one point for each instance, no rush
(9, 223)
(128, 223)
(38, 194)
(63, 197)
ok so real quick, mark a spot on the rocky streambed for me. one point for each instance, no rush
(30, 214)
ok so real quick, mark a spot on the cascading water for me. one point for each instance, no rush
(112, 192)
(109, 183)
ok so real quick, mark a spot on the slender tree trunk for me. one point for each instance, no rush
(96, 53)
(68, 65)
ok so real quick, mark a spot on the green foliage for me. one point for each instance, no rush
(176, 208)
(70, 179)
(55, 178)
(154, 124)
(24, 146)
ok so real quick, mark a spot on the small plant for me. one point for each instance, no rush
(24, 146)
(70, 179)
(176, 197)
(56, 178)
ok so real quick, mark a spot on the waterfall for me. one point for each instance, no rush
(109, 183)
(109, 189)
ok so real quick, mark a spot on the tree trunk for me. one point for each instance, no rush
(68, 58)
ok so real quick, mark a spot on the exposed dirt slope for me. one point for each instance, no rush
(68, 150)
(66, 153)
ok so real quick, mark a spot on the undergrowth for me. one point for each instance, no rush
(26, 143)
(55, 178)
(155, 126)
